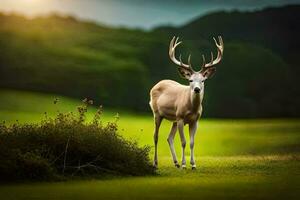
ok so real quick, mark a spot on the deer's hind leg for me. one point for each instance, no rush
(171, 143)
(157, 121)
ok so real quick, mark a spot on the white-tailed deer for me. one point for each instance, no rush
(181, 104)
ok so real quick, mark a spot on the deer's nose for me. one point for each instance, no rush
(196, 89)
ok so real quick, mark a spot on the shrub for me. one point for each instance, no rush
(67, 146)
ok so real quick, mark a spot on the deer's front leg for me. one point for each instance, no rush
(192, 130)
(183, 142)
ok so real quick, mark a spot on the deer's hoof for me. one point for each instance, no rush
(177, 165)
(194, 167)
(183, 166)
(155, 165)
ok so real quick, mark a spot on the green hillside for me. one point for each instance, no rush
(117, 67)
(80, 59)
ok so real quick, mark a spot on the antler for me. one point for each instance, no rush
(213, 61)
(173, 44)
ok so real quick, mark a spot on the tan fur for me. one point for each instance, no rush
(174, 102)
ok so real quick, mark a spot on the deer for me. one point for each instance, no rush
(182, 104)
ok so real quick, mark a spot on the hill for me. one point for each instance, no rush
(117, 67)
(80, 59)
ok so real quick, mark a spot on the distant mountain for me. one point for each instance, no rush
(274, 28)
(117, 67)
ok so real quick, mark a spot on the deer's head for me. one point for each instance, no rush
(196, 78)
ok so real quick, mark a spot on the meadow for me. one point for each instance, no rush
(249, 159)
(247, 152)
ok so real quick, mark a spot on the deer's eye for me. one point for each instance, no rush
(191, 80)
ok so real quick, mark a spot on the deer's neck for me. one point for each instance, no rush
(196, 100)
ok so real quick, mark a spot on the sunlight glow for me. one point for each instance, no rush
(27, 7)
(31, 1)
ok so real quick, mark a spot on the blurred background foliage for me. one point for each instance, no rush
(118, 66)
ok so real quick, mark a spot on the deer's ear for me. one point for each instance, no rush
(184, 73)
(209, 72)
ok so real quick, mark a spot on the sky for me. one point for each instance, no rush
(144, 14)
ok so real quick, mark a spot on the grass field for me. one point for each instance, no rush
(236, 159)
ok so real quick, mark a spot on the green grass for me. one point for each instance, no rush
(236, 159)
